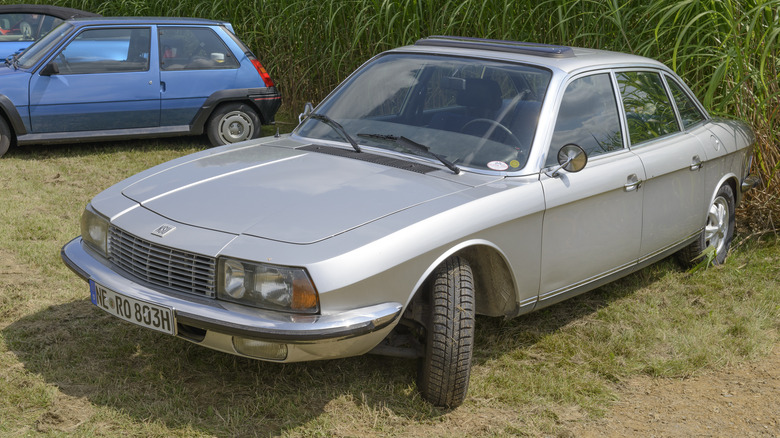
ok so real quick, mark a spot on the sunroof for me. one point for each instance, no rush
(547, 50)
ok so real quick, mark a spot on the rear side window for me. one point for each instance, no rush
(588, 117)
(106, 51)
(649, 113)
(194, 48)
(689, 112)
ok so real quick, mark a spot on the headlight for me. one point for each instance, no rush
(267, 286)
(94, 230)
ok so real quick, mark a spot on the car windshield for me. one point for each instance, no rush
(474, 113)
(35, 52)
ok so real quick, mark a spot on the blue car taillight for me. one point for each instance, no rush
(262, 72)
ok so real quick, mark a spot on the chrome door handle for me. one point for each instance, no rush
(632, 183)
(696, 163)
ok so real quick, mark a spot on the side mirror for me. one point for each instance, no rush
(50, 69)
(571, 158)
(307, 109)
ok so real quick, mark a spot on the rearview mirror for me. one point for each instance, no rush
(307, 109)
(571, 158)
(50, 69)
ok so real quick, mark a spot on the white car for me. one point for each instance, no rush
(441, 180)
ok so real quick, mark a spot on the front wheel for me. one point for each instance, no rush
(443, 372)
(718, 231)
(231, 123)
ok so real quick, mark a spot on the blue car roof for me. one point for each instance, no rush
(84, 21)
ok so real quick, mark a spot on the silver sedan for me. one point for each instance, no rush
(441, 180)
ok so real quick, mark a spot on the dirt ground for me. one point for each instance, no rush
(740, 402)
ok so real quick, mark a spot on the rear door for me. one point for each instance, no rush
(195, 63)
(673, 202)
(105, 79)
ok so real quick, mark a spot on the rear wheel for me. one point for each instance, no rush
(718, 231)
(231, 123)
(444, 370)
(5, 136)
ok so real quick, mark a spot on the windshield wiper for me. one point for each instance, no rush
(336, 127)
(412, 145)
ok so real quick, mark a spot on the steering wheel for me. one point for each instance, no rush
(516, 141)
(26, 30)
(518, 148)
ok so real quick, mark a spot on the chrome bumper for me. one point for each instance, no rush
(749, 182)
(212, 315)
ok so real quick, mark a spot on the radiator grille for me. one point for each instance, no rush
(159, 265)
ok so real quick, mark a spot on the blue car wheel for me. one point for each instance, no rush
(231, 123)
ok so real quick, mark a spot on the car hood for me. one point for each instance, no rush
(285, 194)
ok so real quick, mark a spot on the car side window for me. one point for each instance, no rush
(26, 27)
(194, 48)
(649, 113)
(588, 117)
(106, 51)
(689, 112)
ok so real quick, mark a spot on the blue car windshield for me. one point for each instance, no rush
(478, 114)
(41, 48)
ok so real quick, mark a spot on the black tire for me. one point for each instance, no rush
(443, 372)
(231, 123)
(5, 137)
(718, 231)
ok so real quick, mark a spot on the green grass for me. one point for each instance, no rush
(67, 368)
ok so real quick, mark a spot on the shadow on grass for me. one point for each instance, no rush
(78, 149)
(153, 377)
(158, 378)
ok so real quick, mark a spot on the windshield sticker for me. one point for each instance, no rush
(514, 163)
(497, 165)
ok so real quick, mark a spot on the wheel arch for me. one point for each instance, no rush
(259, 100)
(495, 289)
(732, 181)
(12, 117)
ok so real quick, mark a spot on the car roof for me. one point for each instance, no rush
(56, 11)
(145, 20)
(565, 58)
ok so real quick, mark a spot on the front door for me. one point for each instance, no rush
(104, 79)
(593, 218)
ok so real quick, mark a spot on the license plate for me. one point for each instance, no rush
(151, 316)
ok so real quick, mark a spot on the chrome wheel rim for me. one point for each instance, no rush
(716, 230)
(235, 126)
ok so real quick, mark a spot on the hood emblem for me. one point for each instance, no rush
(162, 230)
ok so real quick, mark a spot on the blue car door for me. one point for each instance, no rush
(103, 79)
(195, 63)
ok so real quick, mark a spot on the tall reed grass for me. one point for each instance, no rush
(727, 50)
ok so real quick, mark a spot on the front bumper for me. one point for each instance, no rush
(340, 334)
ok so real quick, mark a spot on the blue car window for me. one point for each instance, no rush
(193, 48)
(106, 51)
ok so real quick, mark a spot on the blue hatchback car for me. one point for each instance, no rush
(120, 78)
